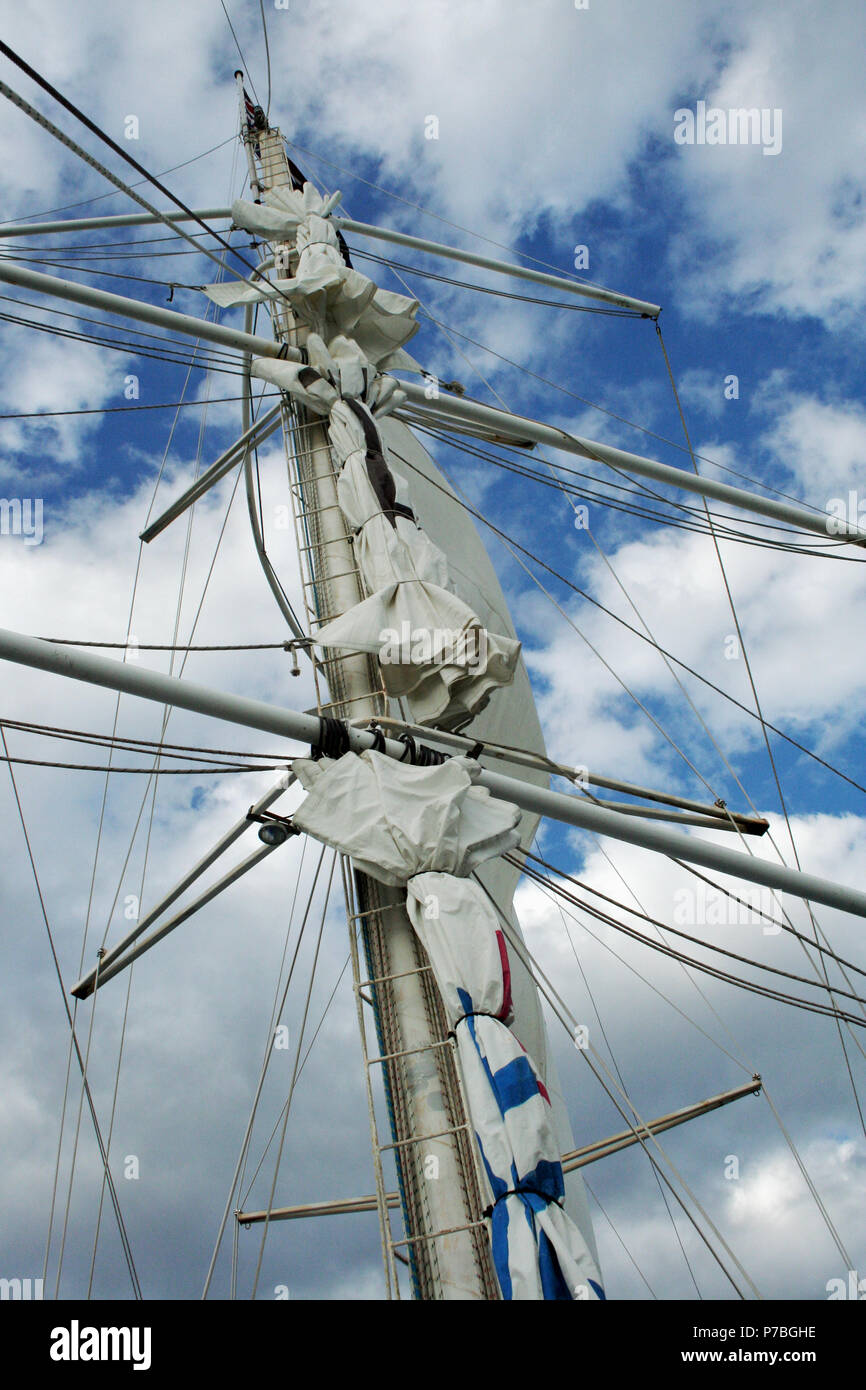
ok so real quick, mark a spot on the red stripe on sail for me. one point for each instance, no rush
(506, 977)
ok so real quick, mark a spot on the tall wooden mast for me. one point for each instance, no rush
(446, 1241)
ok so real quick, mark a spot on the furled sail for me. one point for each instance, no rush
(431, 645)
(395, 820)
(429, 828)
(323, 284)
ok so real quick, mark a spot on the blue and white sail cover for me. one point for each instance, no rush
(428, 828)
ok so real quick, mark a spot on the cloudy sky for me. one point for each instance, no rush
(555, 129)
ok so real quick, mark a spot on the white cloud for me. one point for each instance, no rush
(822, 442)
(703, 390)
(783, 233)
(788, 606)
(40, 373)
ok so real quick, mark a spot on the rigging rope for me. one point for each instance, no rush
(509, 541)
(642, 1134)
(618, 1070)
(607, 1218)
(121, 740)
(122, 410)
(74, 1046)
(621, 419)
(206, 360)
(118, 149)
(690, 960)
(518, 465)
(749, 1070)
(293, 1082)
(242, 1156)
(267, 57)
(512, 251)
(244, 64)
(73, 1040)
(766, 737)
(706, 508)
(67, 207)
(77, 149)
(499, 294)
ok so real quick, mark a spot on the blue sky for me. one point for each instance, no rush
(555, 130)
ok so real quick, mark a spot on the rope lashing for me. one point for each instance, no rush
(419, 754)
(521, 1192)
(471, 1013)
(333, 742)
(378, 737)
(333, 739)
(380, 476)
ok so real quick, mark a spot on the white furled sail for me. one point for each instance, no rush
(431, 644)
(395, 821)
(323, 283)
(429, 828)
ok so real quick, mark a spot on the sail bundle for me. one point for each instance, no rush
(323, 288)
(429, 828)
(432, 647)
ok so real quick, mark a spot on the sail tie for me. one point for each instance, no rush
(526, 1193)
(473, 1013)
(333, 739)
(420, 754)
(380, 476)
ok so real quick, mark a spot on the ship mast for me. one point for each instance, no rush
(446, 1240)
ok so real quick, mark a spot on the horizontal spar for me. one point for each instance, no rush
(188, 324)
(305, 728)
(450, 410)
(575, 1158)
(90, 224)
(366, 229)
(519, 272)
